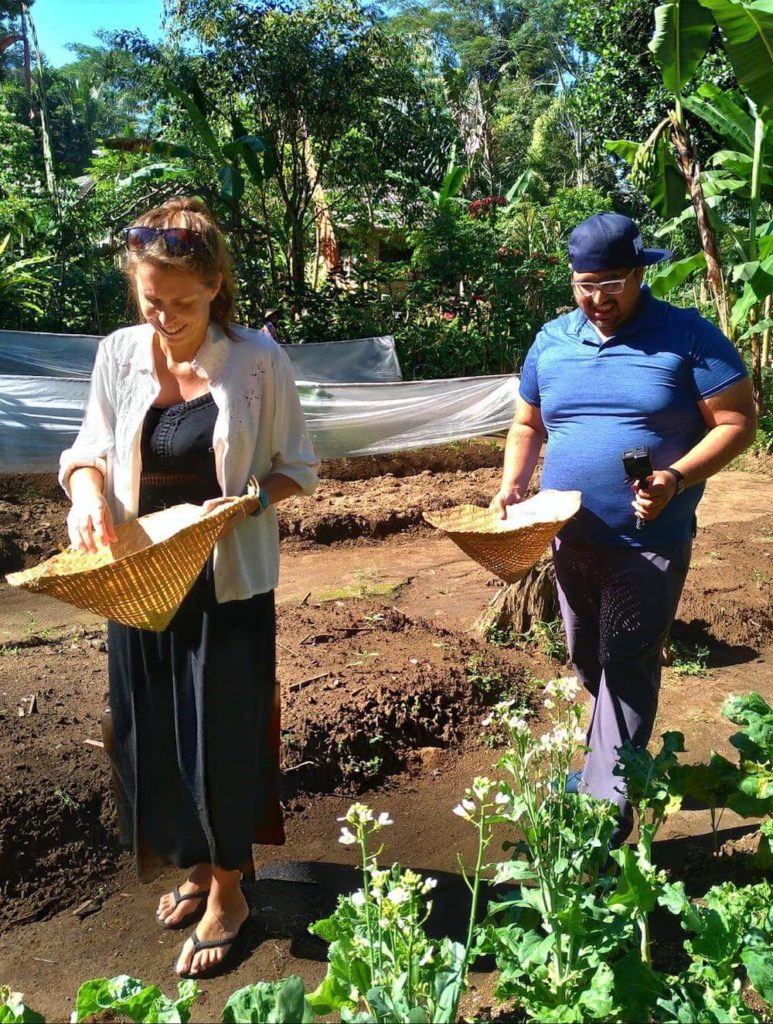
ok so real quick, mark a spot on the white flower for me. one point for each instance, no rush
(398, 895)
(429, 884)
(358, 898)
(501, 799)
(347, 837)
(567, 687)
(517, 724)
(461, 812)
(359, 814)
(579, 735)
(383, 922)
(378, 877)
(354, 995)
(468, 805)
(427, 958)
(384, 819)
(548, 703)
(481, 787)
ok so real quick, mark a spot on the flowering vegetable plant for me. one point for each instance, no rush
(382, 967)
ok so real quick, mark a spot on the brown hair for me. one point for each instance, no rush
(206, 261)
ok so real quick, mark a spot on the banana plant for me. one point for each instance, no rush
(244, 152)
(19, 281)
(732, 197)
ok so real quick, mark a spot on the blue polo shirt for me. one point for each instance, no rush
(638, 388)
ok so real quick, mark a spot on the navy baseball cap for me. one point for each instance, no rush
(609, 240)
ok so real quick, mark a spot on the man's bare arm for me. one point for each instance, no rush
(524, 442)
(731, 422)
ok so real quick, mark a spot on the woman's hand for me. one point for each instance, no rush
(89, 522)
(247, 509)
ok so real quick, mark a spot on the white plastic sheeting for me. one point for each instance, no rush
(41, 408)
(363, 360)
(369, 419)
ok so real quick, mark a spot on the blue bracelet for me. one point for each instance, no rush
(264, 503)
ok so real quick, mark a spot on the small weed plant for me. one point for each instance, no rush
(690, 661)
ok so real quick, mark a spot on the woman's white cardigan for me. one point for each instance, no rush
(259, 430)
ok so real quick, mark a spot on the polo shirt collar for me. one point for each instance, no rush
(650, 314)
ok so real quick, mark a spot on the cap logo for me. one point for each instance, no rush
(638, 244)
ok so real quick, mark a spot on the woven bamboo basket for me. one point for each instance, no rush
(142, 578)
(508, 547)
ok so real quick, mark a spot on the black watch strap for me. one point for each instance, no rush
(680, 482)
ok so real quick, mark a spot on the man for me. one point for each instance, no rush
(624, 370)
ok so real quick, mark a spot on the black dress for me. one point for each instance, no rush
(194, 709)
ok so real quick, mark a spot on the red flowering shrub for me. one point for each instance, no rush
(486, 205)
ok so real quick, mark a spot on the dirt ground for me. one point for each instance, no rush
(384, 685)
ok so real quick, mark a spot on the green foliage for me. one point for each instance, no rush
(269, 1002)
(144, 1004)
(13, 1010)
(382, 967)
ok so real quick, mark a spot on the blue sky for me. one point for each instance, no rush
(60, 22)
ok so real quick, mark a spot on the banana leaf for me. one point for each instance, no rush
(672, 275)
(747, 33)
(723, 115)
(682, 35)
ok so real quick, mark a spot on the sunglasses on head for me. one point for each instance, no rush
(177, 241)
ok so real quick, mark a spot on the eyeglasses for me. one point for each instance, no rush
(612, 287)
(177, 241)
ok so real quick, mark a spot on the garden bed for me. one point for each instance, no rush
(363, 686)
(374, 699)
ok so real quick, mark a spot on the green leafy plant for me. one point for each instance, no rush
(732, 931)
(746, 787)
(269, 1002)
(554, 935)
(690, 661)
(487, 682)
(382, 967)
(13, 1009)
(128, 997)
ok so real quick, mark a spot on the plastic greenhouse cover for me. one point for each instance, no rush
(363, 360)
(351, 391)
(40, 416)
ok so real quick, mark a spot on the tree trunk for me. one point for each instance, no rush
(517, 607)
(688, 162)
(297, 262)
(327, 252)
(48, 156)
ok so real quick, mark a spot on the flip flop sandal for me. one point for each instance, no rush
(179, 898)
(199, 944)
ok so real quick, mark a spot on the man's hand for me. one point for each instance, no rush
(89, 522)
(651, 499)
(505, 496)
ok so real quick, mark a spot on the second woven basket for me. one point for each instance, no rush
(142, 578)
(508, 547)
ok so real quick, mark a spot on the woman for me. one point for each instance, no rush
(186, 407)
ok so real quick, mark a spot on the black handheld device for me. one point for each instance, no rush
(638, 467)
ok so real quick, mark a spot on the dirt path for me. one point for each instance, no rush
(433, 567)
(46, 647)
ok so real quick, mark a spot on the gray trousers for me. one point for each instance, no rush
(618, 604)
